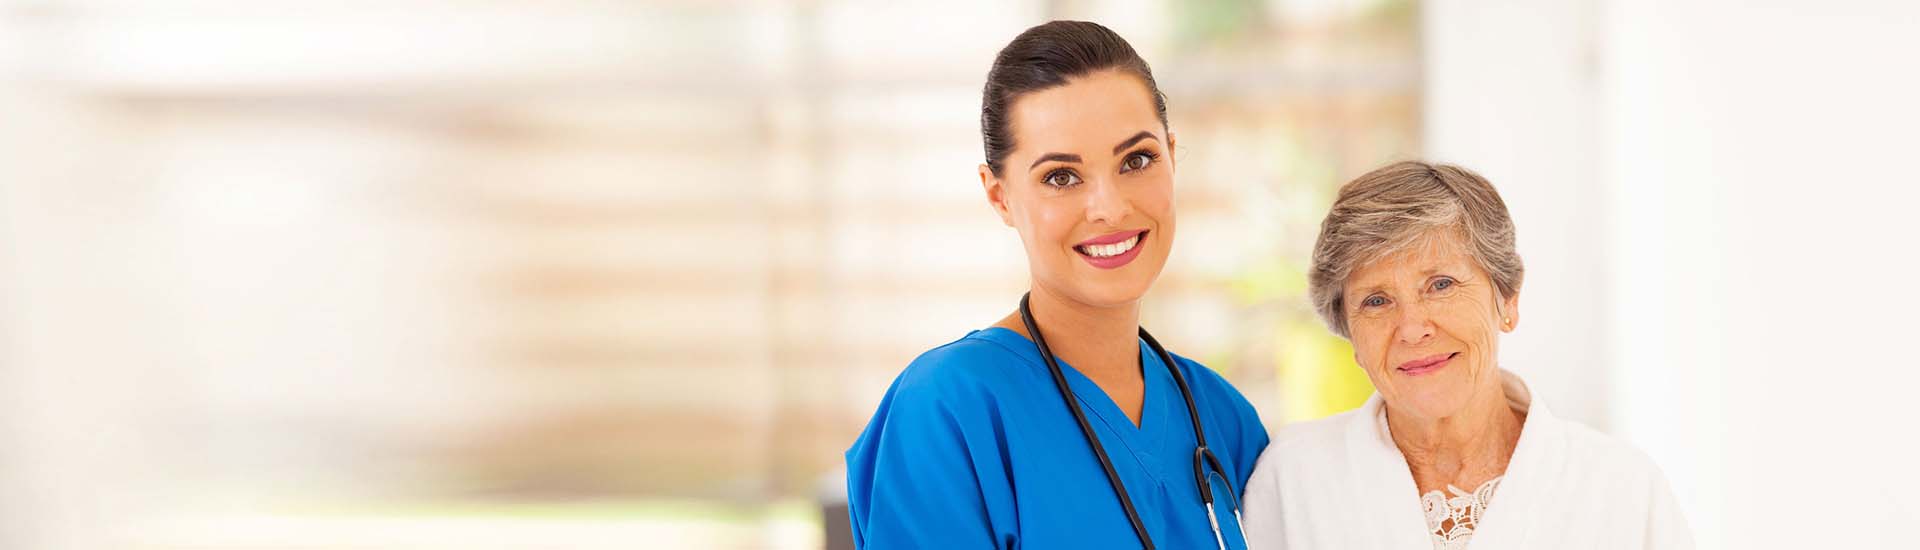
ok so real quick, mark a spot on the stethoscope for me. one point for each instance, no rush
(1204, 463)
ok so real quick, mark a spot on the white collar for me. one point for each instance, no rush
(1538, 455)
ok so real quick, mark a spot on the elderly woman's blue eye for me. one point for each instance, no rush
(1374, 301)
(1443, 284)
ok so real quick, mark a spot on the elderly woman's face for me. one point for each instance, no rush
(1425, 326)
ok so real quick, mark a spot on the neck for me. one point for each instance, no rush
(1468, 447)
(1100, 342)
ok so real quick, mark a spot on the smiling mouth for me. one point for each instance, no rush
(1426, 365)
(1110, 250)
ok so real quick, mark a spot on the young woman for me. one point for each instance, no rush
(1063, 425)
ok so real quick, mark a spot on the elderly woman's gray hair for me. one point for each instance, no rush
(1392, 209)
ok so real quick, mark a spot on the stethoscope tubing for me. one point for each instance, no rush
(1205, 463)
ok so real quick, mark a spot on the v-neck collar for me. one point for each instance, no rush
(1539, 439)
(1143, 442)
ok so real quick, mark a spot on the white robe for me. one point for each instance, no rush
(1340, 483)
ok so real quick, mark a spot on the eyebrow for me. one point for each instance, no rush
(1144, 134)
(1364, 291)
(1062, 157)
(1429, 272)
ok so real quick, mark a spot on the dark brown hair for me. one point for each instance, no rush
(1046, 56)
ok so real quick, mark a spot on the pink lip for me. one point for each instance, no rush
(1426, 365)
(1114, 262)
(1111, 238)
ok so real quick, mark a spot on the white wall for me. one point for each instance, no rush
(1738, 167)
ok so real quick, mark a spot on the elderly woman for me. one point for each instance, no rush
(1416, 266)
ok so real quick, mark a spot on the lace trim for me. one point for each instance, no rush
(1451, 520)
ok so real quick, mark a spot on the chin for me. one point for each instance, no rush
(1113, 294)
(1118, 287)
(1434, 398)
(1097, 287)
(1433, 406)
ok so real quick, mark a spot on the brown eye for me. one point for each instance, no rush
(1136, 161)
(1062, 178)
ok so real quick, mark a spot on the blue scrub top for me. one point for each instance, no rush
(973, 447)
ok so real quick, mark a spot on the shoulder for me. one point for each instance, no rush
(971, 363)
(1307, 446)
(1305, 462)
(1205, 381)
(1608, 456)
(1597, 466)
(952, 389)
(1221, 397)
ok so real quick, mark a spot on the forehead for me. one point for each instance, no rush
(1089, 113)
(1432, 251)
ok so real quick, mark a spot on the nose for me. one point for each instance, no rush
(1107, 203)
(1415, 326)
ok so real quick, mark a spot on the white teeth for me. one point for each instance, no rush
(1111, 250)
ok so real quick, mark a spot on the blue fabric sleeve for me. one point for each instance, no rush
(930, 470)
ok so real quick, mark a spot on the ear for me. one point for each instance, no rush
(996, 193)
(1510, 313)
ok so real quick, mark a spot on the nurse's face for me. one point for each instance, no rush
(1089, 187)
(1426, 328)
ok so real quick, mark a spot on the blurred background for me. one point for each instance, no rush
(633, 274)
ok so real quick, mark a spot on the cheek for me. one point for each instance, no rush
(1054, 222)
(1468, 323)
(1369, 345)
(1046, 224)
(1156, 201)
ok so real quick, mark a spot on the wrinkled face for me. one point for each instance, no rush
(1425, 325)
(1089, 187)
